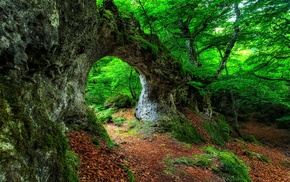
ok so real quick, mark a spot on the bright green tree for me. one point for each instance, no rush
(111, 76)
(234, 47)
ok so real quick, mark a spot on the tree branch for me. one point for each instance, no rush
(232, 43)
(147, 18)
(271, 79)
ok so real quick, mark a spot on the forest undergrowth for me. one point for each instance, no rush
(160, 157)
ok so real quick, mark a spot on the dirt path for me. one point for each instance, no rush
(145, 156)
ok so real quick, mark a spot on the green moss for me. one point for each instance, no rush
(146, 45)
(27, 133)
(257, 156)
(286, 163)
(53, 140)
(251, 138)
(118, 101)
(72, 162)
(232, 168)
(97, 128)
(219, 131)
(48, 140)
(183, 130)
(96, 141)
(224, 163)
(107, 14)
(130, 175)
(179, 127)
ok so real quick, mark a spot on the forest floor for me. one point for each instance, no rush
(146, 156)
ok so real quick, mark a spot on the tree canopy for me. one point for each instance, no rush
(234, 46)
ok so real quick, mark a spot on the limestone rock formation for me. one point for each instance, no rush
(46, 50)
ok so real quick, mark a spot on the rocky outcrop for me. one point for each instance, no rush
(46, 50)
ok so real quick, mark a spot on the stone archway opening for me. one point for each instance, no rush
(111, 78)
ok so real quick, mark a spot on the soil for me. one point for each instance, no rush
(145, 156)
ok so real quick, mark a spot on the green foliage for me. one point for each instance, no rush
(219, 131)
(248, 91)
(284, 122)
(105, 115)
(109, 77)
(118, 101)
(119, 121)
(257, 71)
(224, 163)
(99, 3)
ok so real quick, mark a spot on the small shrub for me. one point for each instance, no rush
(105, 115)
(118, 121)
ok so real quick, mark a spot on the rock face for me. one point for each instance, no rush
(47, 48)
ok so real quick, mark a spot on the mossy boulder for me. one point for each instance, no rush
(118, 101)
(218, 129)
(32, 147)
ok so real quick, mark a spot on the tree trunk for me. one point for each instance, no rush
(191, 53)
(231, 44)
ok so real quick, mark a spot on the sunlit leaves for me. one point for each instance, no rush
(262, 48)
(110, 76)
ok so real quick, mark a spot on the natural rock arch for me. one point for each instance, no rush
(46, 50)
(159, 72)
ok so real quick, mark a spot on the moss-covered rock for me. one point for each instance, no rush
(226, 164)
(118, 101)
(32, 146)
(218, 129)
(185, 132)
